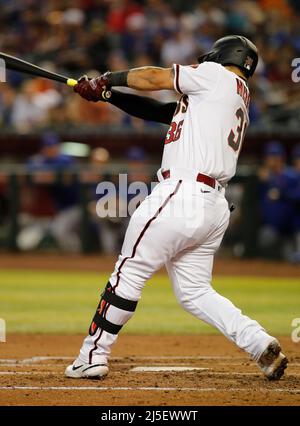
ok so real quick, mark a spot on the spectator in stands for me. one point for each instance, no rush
(73, 37)
(4, 205)
(295, 195)
(33, 103)
(276, 203)
(64, 225)
(119, 198)
(136, 166)
(7, 102)
(105, 206)
(296, 159)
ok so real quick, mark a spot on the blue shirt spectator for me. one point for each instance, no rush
(50, 159)
(295, 192)
(277, 189)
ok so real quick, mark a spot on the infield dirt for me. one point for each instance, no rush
(225, 375)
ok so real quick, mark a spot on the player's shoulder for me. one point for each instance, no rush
(198, 78)
(206, 67)
(206, 71)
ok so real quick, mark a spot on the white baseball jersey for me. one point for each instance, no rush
(181, 224)
(210, 121)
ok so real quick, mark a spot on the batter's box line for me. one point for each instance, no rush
(143, 389)
(204, 370)
(37, 359)
(18, 364)
(29, 373)
(199, 357)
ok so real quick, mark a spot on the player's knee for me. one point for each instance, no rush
(185, 304)
(127, 286)
(130, 279)
(190, 298)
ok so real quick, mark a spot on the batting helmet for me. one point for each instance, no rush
(233, 50)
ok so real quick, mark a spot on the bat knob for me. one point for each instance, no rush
(106, 95)
(71, 82)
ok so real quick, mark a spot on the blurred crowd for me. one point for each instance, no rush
(61, 205)
(74, 203)
(76, 37)
(279, 203)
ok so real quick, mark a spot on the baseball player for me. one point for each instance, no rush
(182, 222)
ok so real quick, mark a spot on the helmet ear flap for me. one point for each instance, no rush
(203, 58)
(209, 57)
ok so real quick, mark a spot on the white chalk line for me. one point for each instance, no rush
(131, 364)
(163, 389)
(166, 368)
(148, 370)
(17, 364)
(28, 373)
(212, 357)
(119, 364)
(37, 359)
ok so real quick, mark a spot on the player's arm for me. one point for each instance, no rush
(145, 78)
(143, 107)
(139, 106)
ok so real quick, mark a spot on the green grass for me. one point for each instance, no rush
(64, 302)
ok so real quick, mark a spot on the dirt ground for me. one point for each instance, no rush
(32, 367)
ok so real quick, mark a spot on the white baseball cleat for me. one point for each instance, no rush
(86, 371)
(272, 361)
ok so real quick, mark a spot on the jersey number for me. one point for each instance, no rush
(174, 132)
(235, 139)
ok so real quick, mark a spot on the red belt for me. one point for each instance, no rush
(208, 180)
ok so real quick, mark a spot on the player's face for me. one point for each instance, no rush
(51, 151)
(274, 163)
(297, 164)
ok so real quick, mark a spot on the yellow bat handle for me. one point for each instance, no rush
(71, 82)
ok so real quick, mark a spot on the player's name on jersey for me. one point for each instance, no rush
(243, 91)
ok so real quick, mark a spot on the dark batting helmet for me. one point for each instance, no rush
(233, 50)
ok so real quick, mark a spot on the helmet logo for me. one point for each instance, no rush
(248, 63)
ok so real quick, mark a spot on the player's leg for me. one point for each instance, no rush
(191, 277)
(151, 240)
(191, 273)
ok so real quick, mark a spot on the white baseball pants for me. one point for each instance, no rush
(180, 225)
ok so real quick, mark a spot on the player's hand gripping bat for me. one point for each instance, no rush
(16, 64)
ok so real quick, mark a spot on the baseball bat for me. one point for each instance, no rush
(17, 64)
